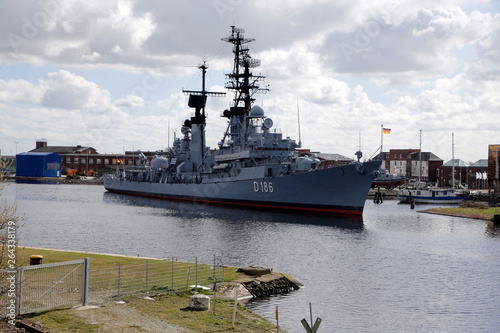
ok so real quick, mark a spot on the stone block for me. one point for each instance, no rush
(199, 302)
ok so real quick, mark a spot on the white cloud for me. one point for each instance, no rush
(19, 91)
(130, 101)
(410, 65)
(69, 91)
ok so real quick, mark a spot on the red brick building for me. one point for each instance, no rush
(408, 163)
(473, 176)
(86, 160)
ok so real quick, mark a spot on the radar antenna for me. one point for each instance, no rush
(242, 81)
(198, 99)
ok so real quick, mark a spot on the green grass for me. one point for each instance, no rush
(173, 308)
(486, 213)
(169, 307)
(63, 321)
(102, 261)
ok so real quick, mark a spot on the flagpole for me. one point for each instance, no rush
(382, 141)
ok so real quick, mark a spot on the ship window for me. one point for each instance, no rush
(68, 160)
(76, 160)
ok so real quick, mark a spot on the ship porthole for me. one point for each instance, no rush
(341, 171)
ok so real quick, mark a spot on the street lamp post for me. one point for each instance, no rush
(87, 171)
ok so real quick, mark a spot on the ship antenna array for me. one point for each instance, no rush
(198, 99)
(242, 81)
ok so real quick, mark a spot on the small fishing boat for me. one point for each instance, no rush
(421, 193)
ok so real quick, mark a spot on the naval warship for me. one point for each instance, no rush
(253, 165)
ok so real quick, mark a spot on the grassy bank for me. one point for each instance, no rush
(167, 312)
(478, 212)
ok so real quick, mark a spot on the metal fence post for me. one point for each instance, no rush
(146, 277)
(172, 274)
(19, 290)
(119, 281)
(86, 280)
(213, 277)
(196, 277)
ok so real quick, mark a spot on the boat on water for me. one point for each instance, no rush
(253, 166)
(421, 193)
(388, 180)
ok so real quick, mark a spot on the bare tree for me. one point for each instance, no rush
(9, 223)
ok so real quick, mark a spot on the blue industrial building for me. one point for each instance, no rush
(38, 165)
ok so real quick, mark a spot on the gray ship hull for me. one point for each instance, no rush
(338, 190)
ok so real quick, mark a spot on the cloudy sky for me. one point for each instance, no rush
(110, 73)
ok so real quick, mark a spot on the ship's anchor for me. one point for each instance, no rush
(360, 168)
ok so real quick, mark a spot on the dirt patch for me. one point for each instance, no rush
(112, 317)
(8, 328)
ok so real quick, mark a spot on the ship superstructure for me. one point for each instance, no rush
(253, 164)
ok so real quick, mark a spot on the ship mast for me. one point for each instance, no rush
(242, 81)
(198, 100)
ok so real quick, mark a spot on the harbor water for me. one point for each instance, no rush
(397, 270)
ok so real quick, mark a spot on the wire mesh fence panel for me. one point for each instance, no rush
(44, 287)
(150, 278)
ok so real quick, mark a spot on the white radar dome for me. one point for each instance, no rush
(256, 111)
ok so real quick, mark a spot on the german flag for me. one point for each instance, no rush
(120, 161)
(386, 130)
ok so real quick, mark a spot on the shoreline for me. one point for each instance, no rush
(57, 180)
(165, 310)
(464, 212)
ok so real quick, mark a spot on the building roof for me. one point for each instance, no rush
(36, 153)
(61, 149)
(457, 162)
(333, 157)
(483, 163)
(426, 156)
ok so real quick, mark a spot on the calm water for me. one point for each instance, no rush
(396, 271)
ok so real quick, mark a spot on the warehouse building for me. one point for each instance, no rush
(38, 165)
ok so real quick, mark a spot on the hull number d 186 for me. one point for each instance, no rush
(263, 187)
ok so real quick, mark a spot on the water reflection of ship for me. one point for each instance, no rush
(197, 210)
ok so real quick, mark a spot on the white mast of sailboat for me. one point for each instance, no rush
(453, 160)
(420, 158)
